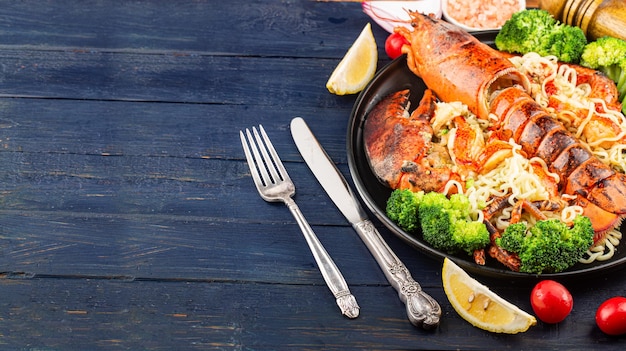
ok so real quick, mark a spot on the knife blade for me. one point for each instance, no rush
(422, 310)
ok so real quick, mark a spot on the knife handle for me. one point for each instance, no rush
(333, 277)
(422, 310)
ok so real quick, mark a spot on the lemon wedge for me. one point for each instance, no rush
(480, 306)
(357, 67)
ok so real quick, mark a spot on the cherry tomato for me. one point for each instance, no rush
(551, 301)
(611, 316)
(393, 45)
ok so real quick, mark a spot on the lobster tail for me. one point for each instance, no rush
(603, 221)
(599, 189)
(610, 193)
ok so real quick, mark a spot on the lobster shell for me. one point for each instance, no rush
(455, 65)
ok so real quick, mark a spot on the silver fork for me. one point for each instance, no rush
(273, 183)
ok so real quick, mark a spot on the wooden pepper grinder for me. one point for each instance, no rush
(597, 18)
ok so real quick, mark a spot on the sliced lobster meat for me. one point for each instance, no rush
(536, 131)
(554, 143)
(609, 193)
(569, 159)
(586, 177)
(519, 116)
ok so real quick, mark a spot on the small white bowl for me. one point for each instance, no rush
(468, 27)
(390, 14)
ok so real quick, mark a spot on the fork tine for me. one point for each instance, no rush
(253, 160)
(263, 162)
(282, 172)
(272, 162)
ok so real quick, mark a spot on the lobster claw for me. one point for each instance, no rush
(379, 134)
(399, 147)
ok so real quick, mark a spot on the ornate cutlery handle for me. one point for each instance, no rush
(333, 277)
(422, 310)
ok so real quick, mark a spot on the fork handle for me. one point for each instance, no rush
(333, 277)
(422, 310)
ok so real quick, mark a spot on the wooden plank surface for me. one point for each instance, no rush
(129, 218)
(78, 314)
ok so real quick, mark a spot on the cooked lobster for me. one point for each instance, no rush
(455, 66)
(400, 147)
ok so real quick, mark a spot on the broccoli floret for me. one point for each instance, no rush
(469, 235)
(567, 43)
(436, 221)
(402, 208)
(446, 224)
(460, 205)
(549, 246)
(608, 54)
(513, 237)
(518, 33)
(537, 31)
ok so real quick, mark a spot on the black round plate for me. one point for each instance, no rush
(394, 77)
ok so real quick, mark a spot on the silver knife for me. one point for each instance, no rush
(422, 310)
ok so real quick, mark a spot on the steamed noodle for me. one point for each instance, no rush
(514, 177)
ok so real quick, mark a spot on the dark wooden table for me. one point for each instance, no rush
(128, 216)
